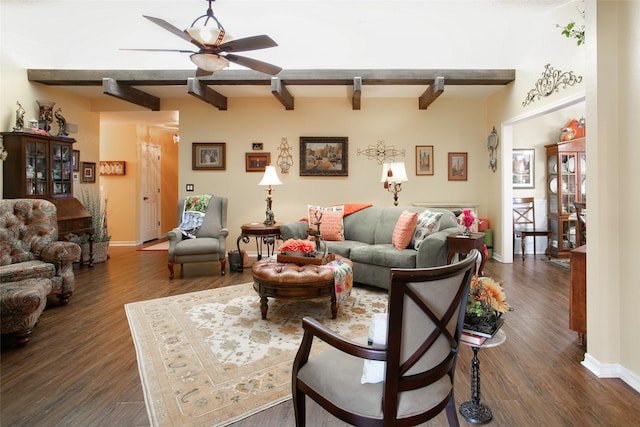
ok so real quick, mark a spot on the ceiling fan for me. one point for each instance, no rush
(216, 47)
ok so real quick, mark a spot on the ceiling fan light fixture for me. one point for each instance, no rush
(209, 61)
(208, 35)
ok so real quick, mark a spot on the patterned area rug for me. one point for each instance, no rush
(564, 263)
(208, 359)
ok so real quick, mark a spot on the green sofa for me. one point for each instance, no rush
(367, 243)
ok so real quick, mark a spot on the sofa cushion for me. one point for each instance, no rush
(344, 247)
(331, 225)
(27, 270)
(385, 255)
(428, 223)
(403, 231)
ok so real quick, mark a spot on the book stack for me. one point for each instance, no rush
(472, 339)
(477, 336)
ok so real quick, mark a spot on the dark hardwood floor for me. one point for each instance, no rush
(80, 367)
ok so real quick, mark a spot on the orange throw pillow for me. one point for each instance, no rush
(331, 226)
(405, 227)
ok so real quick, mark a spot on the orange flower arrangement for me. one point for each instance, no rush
(486, 301)
(297, 245)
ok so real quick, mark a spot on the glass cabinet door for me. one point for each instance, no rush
(552, 176)
(36, 170)
(62, 169)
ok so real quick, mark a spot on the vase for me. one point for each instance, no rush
(45, 114)
(466, 232)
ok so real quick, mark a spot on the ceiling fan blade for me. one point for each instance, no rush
(161, 50)
(254, 64)
(248, 43)
(175, 30)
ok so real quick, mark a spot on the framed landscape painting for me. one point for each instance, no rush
(424, 160)
(522, 167)
(457, 166)
(324, 156)
(257, 162)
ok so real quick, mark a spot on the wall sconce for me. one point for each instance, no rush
(270, 178)
(492, 145)
(176, 138)
(393, 175)
(285, 160)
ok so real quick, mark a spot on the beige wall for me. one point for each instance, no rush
(448, 125)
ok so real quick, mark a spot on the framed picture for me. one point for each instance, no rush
(257, 162)
(256, 146)
(88, 172)
(113, 167)
(208, 156)
(75, 160)
(424, 159)
(457, 166)
(324, 156)
(522, 167)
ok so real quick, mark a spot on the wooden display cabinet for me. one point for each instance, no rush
(40, 166)
(566, 183)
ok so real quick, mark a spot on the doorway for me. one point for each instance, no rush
(507, 131)
(150, 155)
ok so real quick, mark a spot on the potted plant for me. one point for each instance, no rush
(97, 208)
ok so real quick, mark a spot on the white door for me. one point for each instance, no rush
(150, 181)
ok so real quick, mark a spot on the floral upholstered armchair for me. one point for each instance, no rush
(29, 246)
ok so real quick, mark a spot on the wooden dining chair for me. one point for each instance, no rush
(524, 224)
(581, 228)
(425, 317)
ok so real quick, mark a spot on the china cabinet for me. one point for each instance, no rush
(566, 184)
(40, 166)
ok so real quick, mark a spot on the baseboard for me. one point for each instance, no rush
(611, 370)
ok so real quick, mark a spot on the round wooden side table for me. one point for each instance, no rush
(266, 234)
(474, 411)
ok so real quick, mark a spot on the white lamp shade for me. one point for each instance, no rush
(398, 172)
(209, 61)
(270, 177)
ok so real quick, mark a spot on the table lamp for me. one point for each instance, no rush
(393, 175)
(270, 178)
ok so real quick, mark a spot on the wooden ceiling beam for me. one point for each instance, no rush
(357, 93)
(280, 91)
(431, 94)
(127, 93)
(387, 77)
(203, 92)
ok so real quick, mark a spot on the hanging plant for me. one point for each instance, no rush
(572, 31)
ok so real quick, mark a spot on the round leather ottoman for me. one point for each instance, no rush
(292, 281)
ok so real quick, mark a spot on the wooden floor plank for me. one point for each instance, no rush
(80, 367)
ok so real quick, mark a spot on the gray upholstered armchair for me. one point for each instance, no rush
(209, 243)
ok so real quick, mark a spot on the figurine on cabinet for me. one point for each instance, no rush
(19, 118)
(62, 123)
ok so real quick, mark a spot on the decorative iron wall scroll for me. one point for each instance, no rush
(550, 82)
(381, 152)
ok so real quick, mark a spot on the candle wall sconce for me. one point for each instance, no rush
(285, 160)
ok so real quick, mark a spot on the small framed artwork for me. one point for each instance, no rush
(88, 172)
(208, 156)
(75, 160)
(457, 166)
(522, 167)
(424, 159)
(256, 146)
(324, 156)
(257, 162)
(113, 167)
